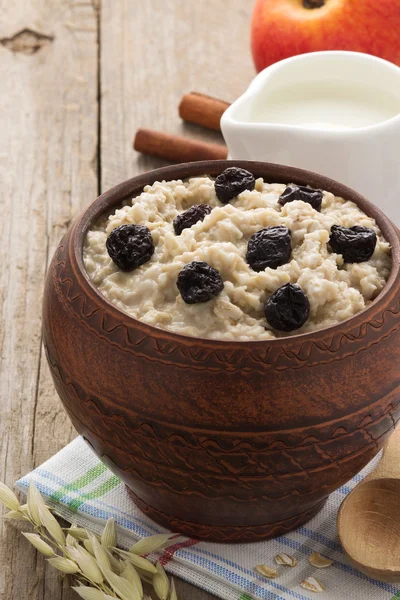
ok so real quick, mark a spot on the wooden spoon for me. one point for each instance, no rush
(369, 518)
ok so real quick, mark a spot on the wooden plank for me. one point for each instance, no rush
(48, 170)
(154, 51)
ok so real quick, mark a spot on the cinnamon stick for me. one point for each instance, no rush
(176, 149)
(202, 110)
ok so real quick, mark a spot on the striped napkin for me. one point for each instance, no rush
(83, 491)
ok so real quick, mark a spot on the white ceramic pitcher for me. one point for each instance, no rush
(363, 154)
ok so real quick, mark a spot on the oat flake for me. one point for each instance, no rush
(318, 561)
(286, 559)
(269, 572)
(313, 585)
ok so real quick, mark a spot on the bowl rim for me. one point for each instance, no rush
(272, 172)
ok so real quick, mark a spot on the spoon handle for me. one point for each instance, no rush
(389, 465)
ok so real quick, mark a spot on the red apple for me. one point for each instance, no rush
(283, 28)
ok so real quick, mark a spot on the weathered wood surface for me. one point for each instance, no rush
(76, 84)
(154, 51)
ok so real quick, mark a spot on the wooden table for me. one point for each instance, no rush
(77, 79)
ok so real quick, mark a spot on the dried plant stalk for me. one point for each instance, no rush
(8, 498)
(122, 587)
(39, 544)
(99, 569)
(160, 582)
(109, 535)
(151, 544)
(173, 595)
(133, 576)
(64, 565)
(138, 561)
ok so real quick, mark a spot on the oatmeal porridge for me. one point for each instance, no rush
(236, 258)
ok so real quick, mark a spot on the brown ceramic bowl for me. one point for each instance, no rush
(223, 440)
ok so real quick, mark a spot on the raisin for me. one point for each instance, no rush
(288, 308)
(269, 247)
(356, 244)
(130, 246)
(195, 213)
(199, 282)
(232, 182)
(304, 193)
